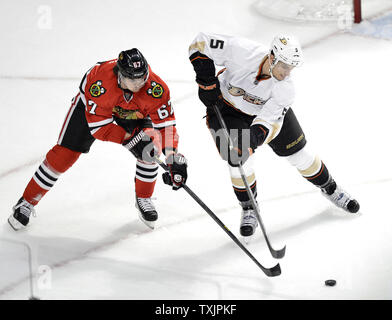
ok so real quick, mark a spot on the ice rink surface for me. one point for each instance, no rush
(87, 232)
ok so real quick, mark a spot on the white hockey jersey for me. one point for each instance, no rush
(268, 99)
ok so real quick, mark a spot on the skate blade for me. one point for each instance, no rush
(15, 224)
(150, 224)
(248, 239)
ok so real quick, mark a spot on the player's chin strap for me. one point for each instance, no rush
(275, 253)
(270, 272)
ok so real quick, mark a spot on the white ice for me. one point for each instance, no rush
(87, 230)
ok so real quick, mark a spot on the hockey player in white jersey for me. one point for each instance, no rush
(254, 93)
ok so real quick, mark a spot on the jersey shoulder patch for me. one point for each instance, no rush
(96, 89)
(101, 80)
(156, 87)
(155, 90)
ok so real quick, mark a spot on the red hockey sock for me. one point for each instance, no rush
(146, 176)
(144, 189)
(58, 160)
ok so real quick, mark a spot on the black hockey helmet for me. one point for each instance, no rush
(132, 64)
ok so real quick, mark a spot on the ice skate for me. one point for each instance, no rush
(248, 221)
(340, 197)
(21, 214)
(147, 212)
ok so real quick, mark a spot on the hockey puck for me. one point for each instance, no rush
(330, 283)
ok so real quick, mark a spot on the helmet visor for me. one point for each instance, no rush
(284, 66)
(134, 84)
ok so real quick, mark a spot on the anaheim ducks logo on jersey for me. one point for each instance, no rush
(283, 40)
(127, 114)
(237, 92)
(96, 89)
(156, 90)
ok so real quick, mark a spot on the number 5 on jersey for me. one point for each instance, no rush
(163, 111)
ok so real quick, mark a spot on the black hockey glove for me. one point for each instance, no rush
(141, 146)
(258, 134)
(242, 150)
(210, 95)
(209, 90)
(177, 174)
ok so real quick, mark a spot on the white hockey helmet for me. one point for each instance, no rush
(286, 49)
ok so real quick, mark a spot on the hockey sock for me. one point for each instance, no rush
(312, 169)
(319, 176)
(317, 173)
(241, 193)
(146, 176)
(58, 160)
(238, 184)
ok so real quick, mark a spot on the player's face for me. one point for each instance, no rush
(132, 84)
(281, 70)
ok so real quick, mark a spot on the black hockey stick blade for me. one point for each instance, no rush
(278, 254)
(273, 272)
(269, 272)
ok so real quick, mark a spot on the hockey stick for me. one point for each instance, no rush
(270, 272)
(278, 254)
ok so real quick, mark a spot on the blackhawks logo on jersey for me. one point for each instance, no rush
(96, 89)
(127, 114)
(156, 90)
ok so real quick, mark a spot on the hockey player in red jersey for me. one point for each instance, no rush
(254, 92)
(120, 101)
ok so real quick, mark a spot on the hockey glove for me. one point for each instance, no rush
(210, 95)
(258, 134)
(177, 174)
(142, 146)
(209, 90)
(240, 153)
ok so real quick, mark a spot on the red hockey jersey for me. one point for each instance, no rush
(104, 100)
